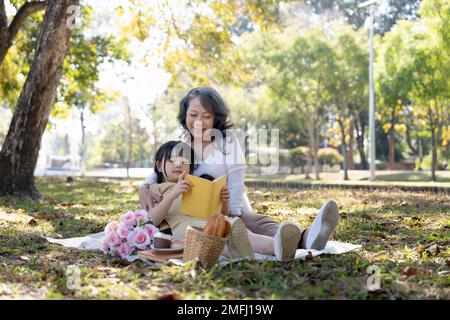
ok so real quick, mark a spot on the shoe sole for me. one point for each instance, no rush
(289, 237)
(328, 222)
(238, 243)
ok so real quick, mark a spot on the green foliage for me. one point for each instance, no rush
(329, 156)
(114, 143)
(298, 156)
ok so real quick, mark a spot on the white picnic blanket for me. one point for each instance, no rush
(92, 242)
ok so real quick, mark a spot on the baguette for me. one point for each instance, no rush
(217, 226)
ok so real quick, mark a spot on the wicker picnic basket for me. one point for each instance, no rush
(203, 247)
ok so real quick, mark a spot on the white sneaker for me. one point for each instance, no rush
(286, 241)
(323, 226)
(238, 243)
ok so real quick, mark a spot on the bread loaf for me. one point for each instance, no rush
(217, 226)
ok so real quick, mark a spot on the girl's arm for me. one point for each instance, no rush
(159, 212)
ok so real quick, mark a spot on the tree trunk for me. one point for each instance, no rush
(391, 141)
(129, 139)
(344, 147)
(83, 143)
(433, 154)
(20, 150)
(316, 152)
(360, 130)
(351, 162)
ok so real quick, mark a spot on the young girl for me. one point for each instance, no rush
(171, 164)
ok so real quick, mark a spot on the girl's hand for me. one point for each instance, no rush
(182, 186)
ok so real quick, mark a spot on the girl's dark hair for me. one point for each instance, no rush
(166, 150)
(207, 177)
(212, 102)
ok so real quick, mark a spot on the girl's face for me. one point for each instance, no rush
(198, 120)
(174, 167)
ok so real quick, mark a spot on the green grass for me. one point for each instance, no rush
(414, 177)
(397, 230)
(393, 179)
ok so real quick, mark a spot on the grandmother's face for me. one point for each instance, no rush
(198, 120)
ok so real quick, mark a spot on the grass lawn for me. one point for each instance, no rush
(406, 235)
(382, 178)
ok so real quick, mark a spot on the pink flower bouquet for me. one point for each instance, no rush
(133, 231)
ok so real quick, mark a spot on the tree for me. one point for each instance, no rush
(305, 83)
(115, 146)
(21, 147)
(350, 81)
(393, 10)
(393, 83)
(8, 31)
(81, 73)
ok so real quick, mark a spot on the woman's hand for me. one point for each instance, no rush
(147, 198)
(225, 194)
(181, 186)
(225, 197)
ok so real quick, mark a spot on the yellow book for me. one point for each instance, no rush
(204, 198)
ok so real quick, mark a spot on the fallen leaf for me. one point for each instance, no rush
(365, 216)
(409, 271)
(434, 249)
(169, 296)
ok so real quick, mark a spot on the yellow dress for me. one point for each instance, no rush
(177, 221)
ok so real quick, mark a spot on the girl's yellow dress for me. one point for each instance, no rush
(177, 221)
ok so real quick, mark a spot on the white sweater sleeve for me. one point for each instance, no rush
(235, 161)
(151, 179)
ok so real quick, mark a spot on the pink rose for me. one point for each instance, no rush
(151, 230)
(123, 232)
(125, 249)
(111, 227)
(139, 238)
(113, 239)
(141, 216)
(128, 218)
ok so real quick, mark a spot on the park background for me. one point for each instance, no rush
(301, 67)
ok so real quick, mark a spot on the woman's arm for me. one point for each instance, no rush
(225, 196)
(236, 176)
(147, 198)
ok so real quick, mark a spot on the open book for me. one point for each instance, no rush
(204, 199)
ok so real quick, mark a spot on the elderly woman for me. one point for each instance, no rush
(203, 115)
